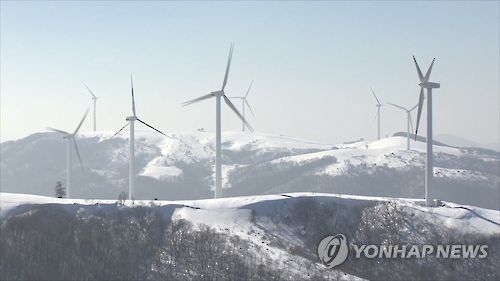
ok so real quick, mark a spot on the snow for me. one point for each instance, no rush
(189, 146)
(235, 216)
(226, 170)
(171, 160)
(9, 201)
(389, 152)
(235, 210)
(164, 157)
(217, 218)
(398, 142)
(240, 140)
(466, 219)
(161, 172)
(101, 135)
(461, 174)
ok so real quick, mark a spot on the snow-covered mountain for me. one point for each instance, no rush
(267, 237)
(181, 167)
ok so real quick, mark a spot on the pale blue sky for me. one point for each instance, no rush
(313, 64)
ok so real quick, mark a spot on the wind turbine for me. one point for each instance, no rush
(70, 138)
(424, 83)
(378, 105)
(131, 120)
(218, 95)
(94, 98)
(244, 102)
(409, 123)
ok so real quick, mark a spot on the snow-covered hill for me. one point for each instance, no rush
(181, 167)
(283, 231)
(220, 212)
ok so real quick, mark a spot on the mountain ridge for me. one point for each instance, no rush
(181, 167)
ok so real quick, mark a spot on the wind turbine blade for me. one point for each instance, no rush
(81, 122)
(415, 106)
(411, 122)
(420, 76)
(228, 66)
(231, 105)
(249, 87)
(249, 107)
(58, 131)
(151, 127)
(198, 99)
(120, 130)
(77, 152)
(420, 105)
(133, 100)
(398, 106)
(428, 73)
(90, 91)
(373, 92)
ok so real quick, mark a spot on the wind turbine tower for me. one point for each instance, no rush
(70, 138)
(94, 98)
(424, 83)
(218, 95)
(244, 102)
(409, 123)
(131, 120)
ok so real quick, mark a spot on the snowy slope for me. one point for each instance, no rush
(256, 220)
(181, 167)
(236, 210)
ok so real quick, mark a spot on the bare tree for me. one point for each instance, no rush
(60, 190)
(122, 197)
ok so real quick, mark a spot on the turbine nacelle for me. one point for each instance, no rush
(131, 118)
(218, 93)
(430, 85)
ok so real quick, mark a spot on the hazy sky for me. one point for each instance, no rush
(313, 64)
